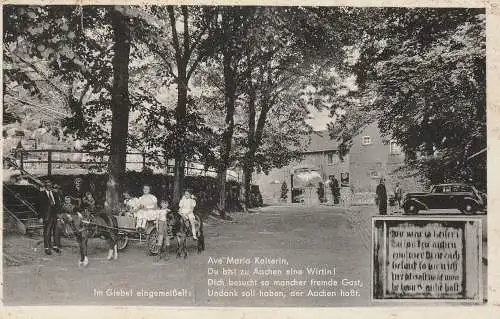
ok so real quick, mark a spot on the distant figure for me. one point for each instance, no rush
(381, 198)
(398, 195)
(321, 192)
(335, 188)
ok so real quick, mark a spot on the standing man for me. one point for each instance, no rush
(321, 192)
(59, 226)
(381, 198)
(48, 213)
(335, 188)
(398, 194)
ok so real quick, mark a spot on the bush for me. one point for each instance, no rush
(203, 187)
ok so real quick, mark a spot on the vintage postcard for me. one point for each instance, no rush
(285, 156)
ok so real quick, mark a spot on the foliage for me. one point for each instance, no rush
(426, 88)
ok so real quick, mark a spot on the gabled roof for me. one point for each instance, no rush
(320, 141)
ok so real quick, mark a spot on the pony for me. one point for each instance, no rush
(178, 227)
(102, 225)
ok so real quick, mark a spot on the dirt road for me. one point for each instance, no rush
(323, 238)
(316, 256)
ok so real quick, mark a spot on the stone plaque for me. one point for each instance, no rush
(427, 258)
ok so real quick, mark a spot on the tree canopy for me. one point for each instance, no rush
(233, 86)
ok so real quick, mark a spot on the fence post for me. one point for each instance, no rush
(49, 163)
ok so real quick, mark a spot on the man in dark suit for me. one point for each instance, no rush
(48, 212)
(381, 199)
(335, 188)
(58, 227)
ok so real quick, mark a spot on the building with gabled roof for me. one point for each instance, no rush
(370, 157)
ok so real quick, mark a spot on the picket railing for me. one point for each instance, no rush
(52, 161)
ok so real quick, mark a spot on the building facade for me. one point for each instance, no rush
(370, 158)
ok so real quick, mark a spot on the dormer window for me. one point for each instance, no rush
(366, 140)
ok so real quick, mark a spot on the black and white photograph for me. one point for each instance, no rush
(244, 156)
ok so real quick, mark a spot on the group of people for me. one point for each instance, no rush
(335, 188)
(145, 208)
(54, 202)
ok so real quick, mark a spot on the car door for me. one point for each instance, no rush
(458, 193)
(441, 198)
(433, 198)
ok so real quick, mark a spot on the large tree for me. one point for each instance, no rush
(426, 88)
(67, 47)
(291, 48)
(180, 37)
(120, 105)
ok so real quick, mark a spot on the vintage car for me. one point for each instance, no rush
(463, 197)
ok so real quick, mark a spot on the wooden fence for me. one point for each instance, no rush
(51, 161)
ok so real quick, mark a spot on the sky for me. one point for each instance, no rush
(319, 119)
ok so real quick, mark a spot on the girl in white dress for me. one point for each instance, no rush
(146, 206)
(186, 209)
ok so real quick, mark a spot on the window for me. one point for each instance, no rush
(461, 188)
(394, 148)
(374, 174)
(367, 140)
(332, 158)
(437, 189)
(442, 189)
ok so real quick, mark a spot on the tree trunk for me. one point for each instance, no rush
(249, 158)
(247, 180)
(243, 194)
(221, 181)
(180, 156)
(120, 105)
(227, 136)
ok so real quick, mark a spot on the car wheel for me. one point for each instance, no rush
(411, 209)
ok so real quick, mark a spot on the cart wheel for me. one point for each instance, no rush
(122, 242)
(152, 243)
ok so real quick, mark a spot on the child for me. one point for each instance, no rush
(161, 227)
(186, 210)
(88, 203)
(68, 207)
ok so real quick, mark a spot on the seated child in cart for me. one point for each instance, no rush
(146, 208)
(67, 208)
(161, 225)
(88, 204)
